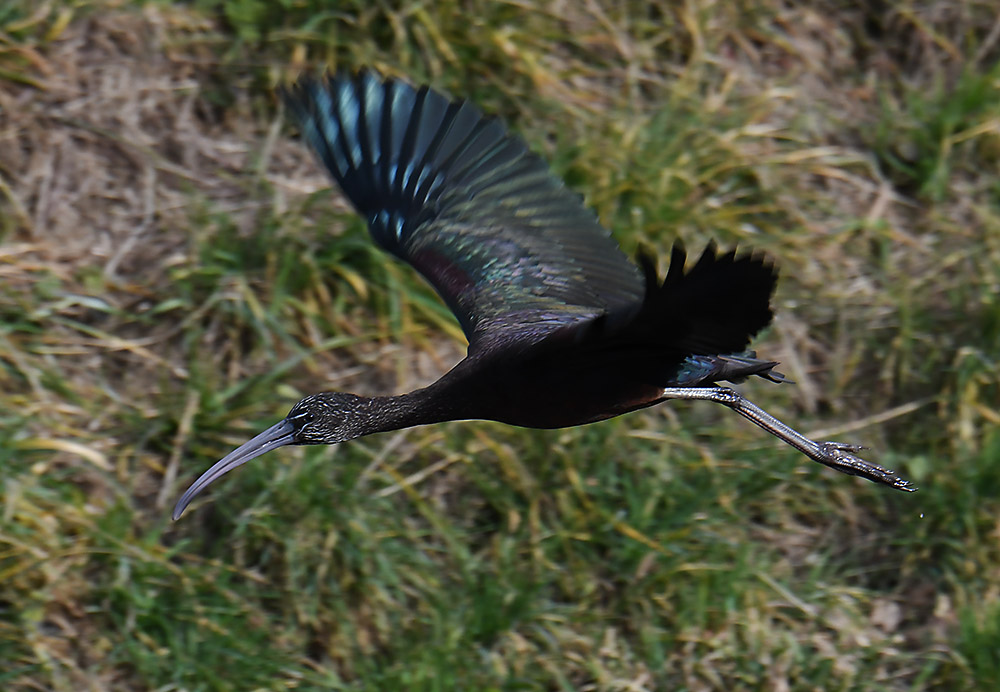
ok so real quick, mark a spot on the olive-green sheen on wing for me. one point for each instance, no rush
(509, 248)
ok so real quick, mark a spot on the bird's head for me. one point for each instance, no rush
(326, 418)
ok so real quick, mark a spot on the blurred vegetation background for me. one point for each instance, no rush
(175, 272)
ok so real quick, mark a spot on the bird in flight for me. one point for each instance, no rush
(563, 329)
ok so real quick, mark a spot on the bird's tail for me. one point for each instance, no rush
(703, 317)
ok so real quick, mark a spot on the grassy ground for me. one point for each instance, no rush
(174, 273)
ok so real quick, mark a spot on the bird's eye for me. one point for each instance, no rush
(303, 418)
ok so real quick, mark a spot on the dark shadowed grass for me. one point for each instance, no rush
(175, 273)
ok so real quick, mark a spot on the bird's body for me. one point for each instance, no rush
(563, 329)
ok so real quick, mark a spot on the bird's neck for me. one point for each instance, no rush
(453, 397)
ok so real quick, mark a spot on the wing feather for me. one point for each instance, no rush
(510, 249)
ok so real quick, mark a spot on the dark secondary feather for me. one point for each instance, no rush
(504, 242)
(510, 249)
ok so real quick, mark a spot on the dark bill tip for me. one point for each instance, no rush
(276, 436)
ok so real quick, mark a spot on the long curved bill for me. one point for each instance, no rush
(276, 436)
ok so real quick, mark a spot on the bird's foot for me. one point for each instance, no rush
(842, 457)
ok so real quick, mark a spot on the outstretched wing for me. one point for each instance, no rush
(509, 248)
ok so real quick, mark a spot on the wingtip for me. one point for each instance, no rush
(327, 79)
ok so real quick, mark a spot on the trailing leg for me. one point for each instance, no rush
(836, 455)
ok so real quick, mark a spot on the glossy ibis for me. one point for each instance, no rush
(563, 329)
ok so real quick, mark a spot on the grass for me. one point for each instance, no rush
(175, 273)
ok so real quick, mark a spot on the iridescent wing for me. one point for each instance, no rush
(509, 248)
